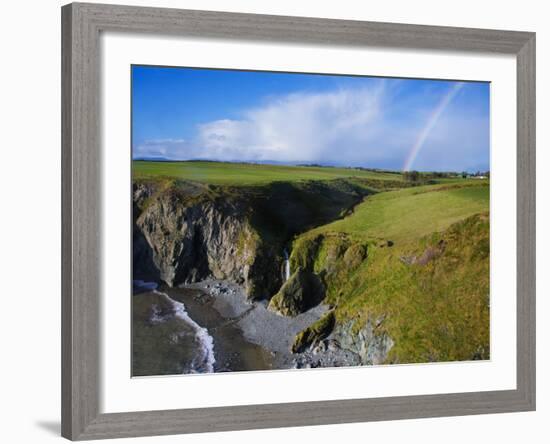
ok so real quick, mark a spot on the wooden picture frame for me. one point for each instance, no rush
(81, 173)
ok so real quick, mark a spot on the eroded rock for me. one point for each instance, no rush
(188, 239)
(371, 343)
(301, 292)
(314, 334)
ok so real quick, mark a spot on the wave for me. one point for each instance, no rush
(204, 360)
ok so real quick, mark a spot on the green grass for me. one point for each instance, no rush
(411, 213)
(437, 311)
(222, 173)
(430, 284)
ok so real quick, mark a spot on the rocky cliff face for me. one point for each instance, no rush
(370, 343)
(185, 232)
(186, 236)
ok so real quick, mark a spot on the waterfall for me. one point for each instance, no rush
(286, 273)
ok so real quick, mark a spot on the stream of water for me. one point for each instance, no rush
(286, 266)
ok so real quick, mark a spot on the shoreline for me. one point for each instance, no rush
(232, 349)
(273, 332)
(246, 336)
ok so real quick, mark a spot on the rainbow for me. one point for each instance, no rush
(432, 121)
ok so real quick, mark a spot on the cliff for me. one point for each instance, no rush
(421, 300)
(186, 232)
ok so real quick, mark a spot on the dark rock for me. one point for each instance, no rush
(314, 333)
(301, 292)
(179, 239)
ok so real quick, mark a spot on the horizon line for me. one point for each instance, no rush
(306, 164)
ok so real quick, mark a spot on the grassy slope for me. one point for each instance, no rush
(436, 310)
(408, 214)
(220, 173)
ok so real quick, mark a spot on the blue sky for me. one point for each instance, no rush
(185, 113)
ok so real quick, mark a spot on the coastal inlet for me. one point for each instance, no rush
(365, 269)
(211, 327)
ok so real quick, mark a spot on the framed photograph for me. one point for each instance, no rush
(278, 221)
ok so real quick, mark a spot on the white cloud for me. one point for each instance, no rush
(168, 148)
(295, 127)
(368, 126)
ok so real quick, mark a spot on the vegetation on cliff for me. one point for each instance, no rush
(403, 264)
(302, 291)
(418, 260)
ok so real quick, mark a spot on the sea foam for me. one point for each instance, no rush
(204, 361)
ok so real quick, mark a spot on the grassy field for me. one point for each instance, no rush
(430, 283)
(221, 173)
(414, 212)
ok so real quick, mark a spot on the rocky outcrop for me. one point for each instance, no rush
(429, 254)
(301, 292)
(143, 264)
(371, 343)
(343, 343)
(187, 237)
(315, 333)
